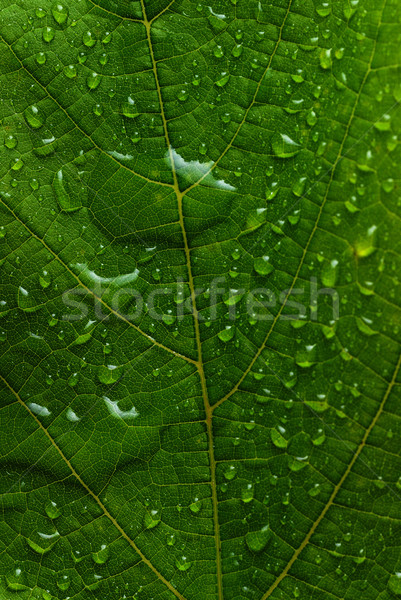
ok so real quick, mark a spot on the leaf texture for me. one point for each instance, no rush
(199, 337)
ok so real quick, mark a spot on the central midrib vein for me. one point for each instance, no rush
(199, 362)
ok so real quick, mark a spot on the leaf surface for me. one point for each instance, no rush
(199, 336)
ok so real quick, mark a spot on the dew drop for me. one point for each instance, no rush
(10, 142)
(262, 265)
(88, 39)
(52, 510)
(70, 71)
(394, 584)
(226, 334)
(109, 374)
(48, 34)
(33, 117)
(44, 279)
(284, 146)
(182, 563)
(102, 555)
(93, 80)
(247, 493)
(60, 13)
(257, 540)
(195, 506)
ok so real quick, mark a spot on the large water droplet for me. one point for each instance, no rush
(284, 146)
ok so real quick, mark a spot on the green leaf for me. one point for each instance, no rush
(200, 300)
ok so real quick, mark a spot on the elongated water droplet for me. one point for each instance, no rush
(33, 117)
(278, 439)
(66, 200)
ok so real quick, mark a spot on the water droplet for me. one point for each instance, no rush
(88, 39)
(70, 71)
(33, 117)
(109, 374)
(305, 358)
(16, 580)
(388, 185)
(325, 58)
(230, 472)
(262, 265)
(103, 59)
(60, 13)
(247, 493)
(278, 439)
(10, 141)
(394, 584)
(223, 80)
(284, 146)
(182, 563)
(227, 334)
(182, 95)
(324, 9)
(98, 110)
(40, 13)
(63, 582)
(102, 555)
(171, 539)
(52, 510)
(329, 273)
(93, 80)
(66, 200)
(195, 506)
(237, 50)
(73, 379)
(218, 52)
(257, 540)
(48, 34)
(129, 109)
(44, 279)
(299, 187)
(107, 38)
